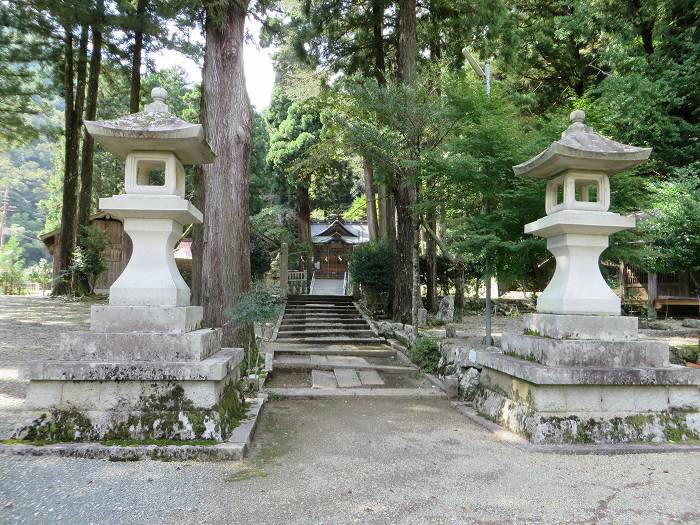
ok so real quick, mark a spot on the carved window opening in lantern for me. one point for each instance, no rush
(154, 173)
(578, 191)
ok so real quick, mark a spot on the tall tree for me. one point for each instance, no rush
(405, 183)
(136, 55)
(87, 167)
(227, 121)
(74, 106)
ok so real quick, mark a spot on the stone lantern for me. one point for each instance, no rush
(577, 169)
(578, 372)
(146, 369)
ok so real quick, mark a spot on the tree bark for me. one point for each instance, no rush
(197, 239)
(403, 285)
(405, 304)
(368, 172)
(304, 225)
(431, 260)
(86, 167)
(137, 51)
(74, 101)
(407, 40)
(378, 41)
(228, 125)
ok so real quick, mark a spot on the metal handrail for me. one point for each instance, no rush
(345, 283)
(313, 282)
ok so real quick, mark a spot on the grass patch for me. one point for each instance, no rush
(245, 474)
(426, 354)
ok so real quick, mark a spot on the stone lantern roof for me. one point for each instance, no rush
(154, 129)
(581, 148)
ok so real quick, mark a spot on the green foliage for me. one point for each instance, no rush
(12, 267)
(40, 273)
(426, 354)
(88, 262)
(263, 304)
(372, 266)
(672, 232)
(260, 260)
(357, 210)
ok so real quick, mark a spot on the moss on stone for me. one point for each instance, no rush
(60, 426)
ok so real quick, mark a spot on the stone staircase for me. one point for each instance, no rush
(324, 319)
(324, 348)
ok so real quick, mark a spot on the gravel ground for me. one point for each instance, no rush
(369, 462)
(332, 462)
(29, 329)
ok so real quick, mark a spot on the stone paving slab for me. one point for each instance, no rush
(347, 378)
(364, 393)
(323, 379)
(370, 378)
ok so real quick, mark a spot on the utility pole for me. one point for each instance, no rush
(486, 75)
(6, 208)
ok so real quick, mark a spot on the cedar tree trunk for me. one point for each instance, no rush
(368, 173)
(86, 167)
(137, 51)
(228, 125)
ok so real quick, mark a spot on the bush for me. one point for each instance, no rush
(263, 304)
(372, 267)
(426, 354)
(260, 260)
(87, 262)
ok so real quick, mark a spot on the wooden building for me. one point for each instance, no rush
(333, 243)
(662, 290)
(118, 250)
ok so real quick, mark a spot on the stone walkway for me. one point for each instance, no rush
(328, 287)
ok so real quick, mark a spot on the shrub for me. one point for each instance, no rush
(263, 304)
(87, 262)
(426, 354)
(372, 267)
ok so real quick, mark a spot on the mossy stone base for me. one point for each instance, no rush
(543, 428)
(166, 415)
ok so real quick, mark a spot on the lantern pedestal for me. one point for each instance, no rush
(576, 239)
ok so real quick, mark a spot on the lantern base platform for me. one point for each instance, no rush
(556, 404)
(599, 327)
(120, 381)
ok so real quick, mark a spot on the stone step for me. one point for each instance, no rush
(332, 362)
(346, 350)
(321, 317)
(305, 296)
(344, 332)
(320, 309)
(323, 322)
(362, 393)
(307, 340)
(323, 325)
(370, 378)
(347, 378)
(323, 379)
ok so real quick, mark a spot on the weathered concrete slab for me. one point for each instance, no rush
(364, 393)
(235, 448)
(547, 375)
(347, 378)
(135, 346)
(323, 379)
(216, 367)
(370, 378)
(161, 319)
(614, 354)
(563, 326)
